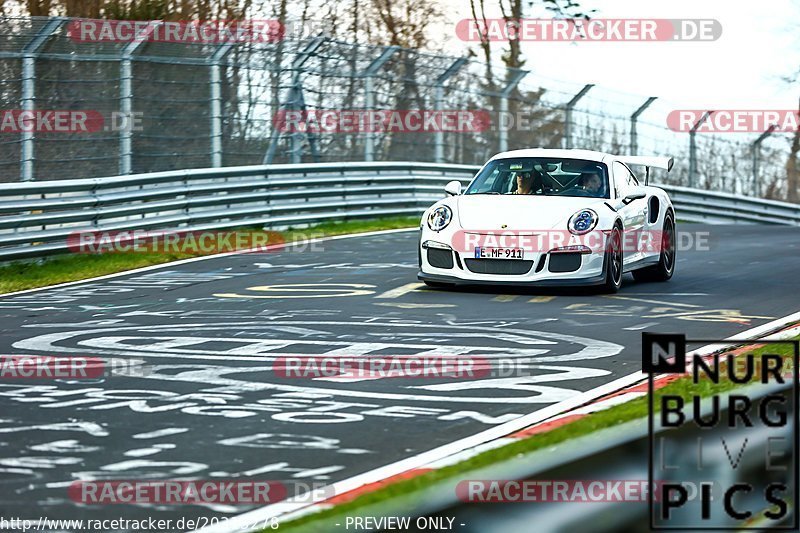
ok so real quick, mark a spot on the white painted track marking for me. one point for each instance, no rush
(296, 507)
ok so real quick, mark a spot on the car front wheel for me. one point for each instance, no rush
(613, 261)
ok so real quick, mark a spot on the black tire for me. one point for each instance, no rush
(613, 261)
(666, 261)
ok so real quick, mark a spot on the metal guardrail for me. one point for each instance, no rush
(36, 218)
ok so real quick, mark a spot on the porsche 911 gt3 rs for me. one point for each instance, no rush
(551, 217)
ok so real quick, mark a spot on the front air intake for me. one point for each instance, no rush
(439, 258)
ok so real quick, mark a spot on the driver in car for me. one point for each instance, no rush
(592, 183)
(524, 183)
(527, 183)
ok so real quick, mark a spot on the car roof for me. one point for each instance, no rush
(589, 155)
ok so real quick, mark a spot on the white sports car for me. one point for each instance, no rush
(551, 218)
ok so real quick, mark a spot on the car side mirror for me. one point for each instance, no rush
(636, 193)
(453, 188)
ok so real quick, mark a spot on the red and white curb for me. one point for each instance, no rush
(544, 420)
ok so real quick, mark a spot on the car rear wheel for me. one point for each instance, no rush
(613, 261)
(666, 261)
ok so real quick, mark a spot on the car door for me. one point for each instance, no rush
(633, 214)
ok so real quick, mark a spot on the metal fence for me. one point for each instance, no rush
(38, 218)
(169, 105)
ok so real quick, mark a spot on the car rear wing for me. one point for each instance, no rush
(647, 161)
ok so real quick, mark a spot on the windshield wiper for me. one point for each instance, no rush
(487, 192)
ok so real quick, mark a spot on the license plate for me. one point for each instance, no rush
(483, 252)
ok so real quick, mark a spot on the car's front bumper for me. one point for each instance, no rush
(536, 268)
(452, 280)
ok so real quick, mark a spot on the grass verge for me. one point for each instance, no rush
(30, 274)
(619, 414)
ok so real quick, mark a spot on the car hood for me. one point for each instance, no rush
(517, 212)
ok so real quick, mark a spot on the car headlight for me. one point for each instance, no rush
(582, 222)
(439, 218)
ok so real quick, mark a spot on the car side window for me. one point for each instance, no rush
(624, 179)
(620, 179)
(632, 180)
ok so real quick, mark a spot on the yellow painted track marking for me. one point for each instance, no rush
(401, 290)
(659, 302)
(304, 290)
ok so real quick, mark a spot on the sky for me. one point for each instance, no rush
(743, 69)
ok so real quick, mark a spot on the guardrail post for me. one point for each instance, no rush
(756, 151)
(369, 97)
(126, 96)
(568, 114)
(634, 118)
(693, 148)
(215, 101)
(513, 81)
(28, 96)
(439, 103)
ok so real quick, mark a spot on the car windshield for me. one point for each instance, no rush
(542, 176)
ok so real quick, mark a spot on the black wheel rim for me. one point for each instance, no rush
(616, 258)
(668, 243)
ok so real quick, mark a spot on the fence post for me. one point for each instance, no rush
(693, 148)
(634, 118)
(369, 96)
(295, 99)
(28, 96)
(756, 150)
(568, 115)
(439, 103)
(513, 81)
(215, 92)
(126, 96)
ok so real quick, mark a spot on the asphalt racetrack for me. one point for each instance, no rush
(208, 405)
